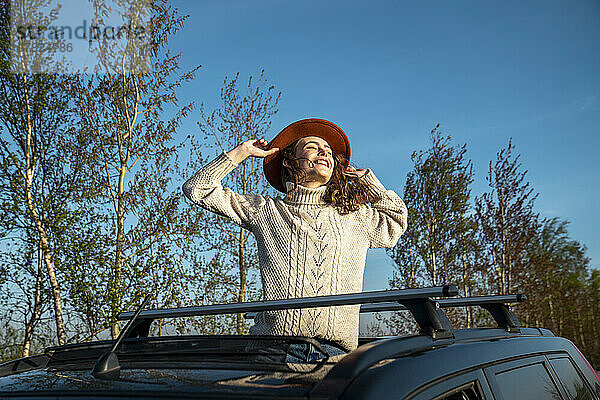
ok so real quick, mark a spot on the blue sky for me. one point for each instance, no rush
(388, 71)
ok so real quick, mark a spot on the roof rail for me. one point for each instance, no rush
(426, 311)
(382, 296)
(431, 320)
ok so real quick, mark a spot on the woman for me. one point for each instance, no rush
(313, 241)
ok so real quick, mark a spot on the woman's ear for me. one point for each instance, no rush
(286, 163)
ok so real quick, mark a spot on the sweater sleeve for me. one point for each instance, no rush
(386, 219)
(205, 189)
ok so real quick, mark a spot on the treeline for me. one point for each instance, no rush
(494, 243)
(92, 216)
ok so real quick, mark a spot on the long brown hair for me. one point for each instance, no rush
(345, 193)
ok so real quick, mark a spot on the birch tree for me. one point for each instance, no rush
(507, 218)
(437, 247)
(129, 116)
(241, 115)
(37, 174)
(437, 194)
(24, 297)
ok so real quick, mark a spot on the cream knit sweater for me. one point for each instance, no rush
(306, 248)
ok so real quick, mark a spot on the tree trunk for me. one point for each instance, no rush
(504, 250)
(552, 315)
(580, 331)
(470, 309)
(431, 232)
(42, 235)
(413, 269)
(243, 279)
(36, 307)
(594, 322)
(509, 273)
(433, 269)
(118, 269)
(550, 302)
(465, 288)
(498, 272)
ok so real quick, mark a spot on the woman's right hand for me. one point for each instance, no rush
(258, 148)
(251, 148)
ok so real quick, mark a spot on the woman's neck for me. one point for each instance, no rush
(300, 194)
(312, 184)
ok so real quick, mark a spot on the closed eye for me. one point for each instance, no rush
(313, 146)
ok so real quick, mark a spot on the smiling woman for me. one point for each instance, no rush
(313, 241)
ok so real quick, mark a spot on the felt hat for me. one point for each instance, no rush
(326, 130)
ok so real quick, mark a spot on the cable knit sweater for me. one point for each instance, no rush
(306, 248)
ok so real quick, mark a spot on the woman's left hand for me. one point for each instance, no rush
(356, 172)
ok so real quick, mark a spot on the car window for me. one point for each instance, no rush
(570, 379)
(469, 391)
(528, 382)
(471, 385)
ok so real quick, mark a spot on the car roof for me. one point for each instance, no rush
(420, 358)
(170, 366)
(219, 365)
(417, 358)
(412, 362)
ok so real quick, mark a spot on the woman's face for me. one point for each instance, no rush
(315, 157)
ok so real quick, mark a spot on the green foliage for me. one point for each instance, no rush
(11, 340)
(39, 173)
(130, 197)
(437, 196)
(507, 220)
(563, 289)
(98, 160)
(12, 343)
(500, 247)
(240, 115)
(437, 247)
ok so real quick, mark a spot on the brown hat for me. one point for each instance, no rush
(326, 130)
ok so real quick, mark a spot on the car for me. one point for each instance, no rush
(506, 362)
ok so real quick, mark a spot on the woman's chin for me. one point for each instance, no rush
(323, 171)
